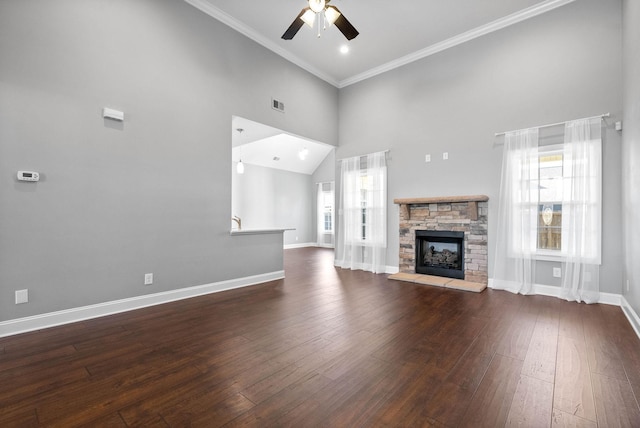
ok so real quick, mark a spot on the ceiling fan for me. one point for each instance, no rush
(325, 12)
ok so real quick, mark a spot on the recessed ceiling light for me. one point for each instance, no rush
(344, 49)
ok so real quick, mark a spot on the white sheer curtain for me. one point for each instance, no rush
(362, 216)
(581, 211)
(516, 237)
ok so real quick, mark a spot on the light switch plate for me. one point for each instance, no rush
(22, 296)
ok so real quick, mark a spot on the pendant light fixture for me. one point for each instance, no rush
(240, 165)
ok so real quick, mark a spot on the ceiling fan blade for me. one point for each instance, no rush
(344, 25)
(295, 26)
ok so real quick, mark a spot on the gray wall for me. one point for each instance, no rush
(271, 198)
(631, 151)
(565, 64)
(152, 194)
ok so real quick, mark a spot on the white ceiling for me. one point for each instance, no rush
(391, 33)
(258, 144)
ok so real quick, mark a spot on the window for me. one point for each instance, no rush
(328, 220)
(559, 199)
(553, 187)
(550, 208)
(362, 234)
(364, 204)
(364, 185)
(325, 214)
(549, 224)
(327, 210)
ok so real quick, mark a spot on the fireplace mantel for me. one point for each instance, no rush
(472, 200)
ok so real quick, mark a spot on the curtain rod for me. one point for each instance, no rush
(601, 116)
(361, 156)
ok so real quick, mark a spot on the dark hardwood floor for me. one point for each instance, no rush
(335, 348)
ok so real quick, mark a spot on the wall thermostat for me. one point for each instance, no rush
(28, 176)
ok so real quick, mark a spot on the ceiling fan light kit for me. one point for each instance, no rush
(317, 5)
(309, 17)
(329, 14)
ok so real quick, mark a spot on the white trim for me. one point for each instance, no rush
(52, 319)
(550, 290)
(553, 291)
(392, 270)
(331, 246)
(631, 315)
(459, 39)
(303, 245)
(496, 25)
(249, 32)
(235, 232)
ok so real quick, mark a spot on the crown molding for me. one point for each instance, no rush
(230, 21)
(496, 25)
(522, 15)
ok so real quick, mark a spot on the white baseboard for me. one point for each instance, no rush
(303, 245)
(552, 291)
(549, 290)
(324, 246)
(51, 319)
(631, 315)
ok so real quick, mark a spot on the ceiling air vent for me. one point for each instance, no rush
(277, 105)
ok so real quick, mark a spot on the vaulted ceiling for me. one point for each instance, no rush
(391, 33)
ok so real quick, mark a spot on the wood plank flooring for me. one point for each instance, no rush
(332, 348)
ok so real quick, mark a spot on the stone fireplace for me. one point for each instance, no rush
(456, 230)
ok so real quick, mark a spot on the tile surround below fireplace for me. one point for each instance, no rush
(466, 214)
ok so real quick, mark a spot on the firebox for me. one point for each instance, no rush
(440, 253)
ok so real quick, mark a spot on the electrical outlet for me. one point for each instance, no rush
(557, 272)
(22, 296)
(427, 158)
(445, 156)
(148, 278)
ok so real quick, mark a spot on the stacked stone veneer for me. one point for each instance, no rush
(449, 216)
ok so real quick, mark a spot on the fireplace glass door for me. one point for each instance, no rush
(440, 253)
